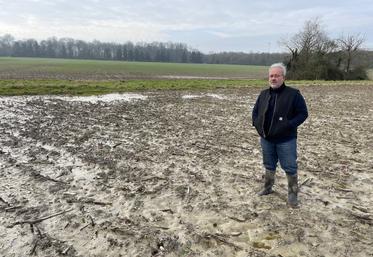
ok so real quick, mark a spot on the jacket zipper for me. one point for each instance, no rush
(264, 133)
(273, 115)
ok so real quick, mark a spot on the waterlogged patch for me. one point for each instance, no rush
(217, 96)
(191, 96)
(92, 99)
(104, 98)
(261, 245)
(204, 95)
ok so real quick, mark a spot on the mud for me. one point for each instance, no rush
(175, 173)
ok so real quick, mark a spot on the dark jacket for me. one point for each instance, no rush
(278, 112)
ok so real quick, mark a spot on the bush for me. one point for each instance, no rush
(359, 73)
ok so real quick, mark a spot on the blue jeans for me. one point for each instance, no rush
(285, 152)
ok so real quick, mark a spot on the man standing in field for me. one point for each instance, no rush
(277, 113)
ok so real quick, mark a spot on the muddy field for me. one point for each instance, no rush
(175, 173)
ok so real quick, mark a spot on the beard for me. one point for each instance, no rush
(275, 85)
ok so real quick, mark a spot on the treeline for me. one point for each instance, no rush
(79, 49)
(245, 58)
(152, 52)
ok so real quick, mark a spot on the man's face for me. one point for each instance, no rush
(275, 77)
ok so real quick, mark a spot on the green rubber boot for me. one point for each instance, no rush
(269, 181)
(292, 190)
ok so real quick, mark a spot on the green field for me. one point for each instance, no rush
(106, 70)
(38, 76)
(78, 87)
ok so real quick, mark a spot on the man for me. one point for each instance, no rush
(277, 113)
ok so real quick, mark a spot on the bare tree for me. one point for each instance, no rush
(312, 38)
(349, 45)
(6, 44)
(310, 49)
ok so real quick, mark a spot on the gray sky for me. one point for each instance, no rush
(207, 25)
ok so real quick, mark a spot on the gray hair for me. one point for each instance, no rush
(279, 65)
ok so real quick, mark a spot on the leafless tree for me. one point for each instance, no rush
(312, 38)
(349, 45)
(310, 50)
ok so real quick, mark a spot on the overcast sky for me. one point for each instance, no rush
(207, 25)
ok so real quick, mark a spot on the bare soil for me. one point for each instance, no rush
(175, 173)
